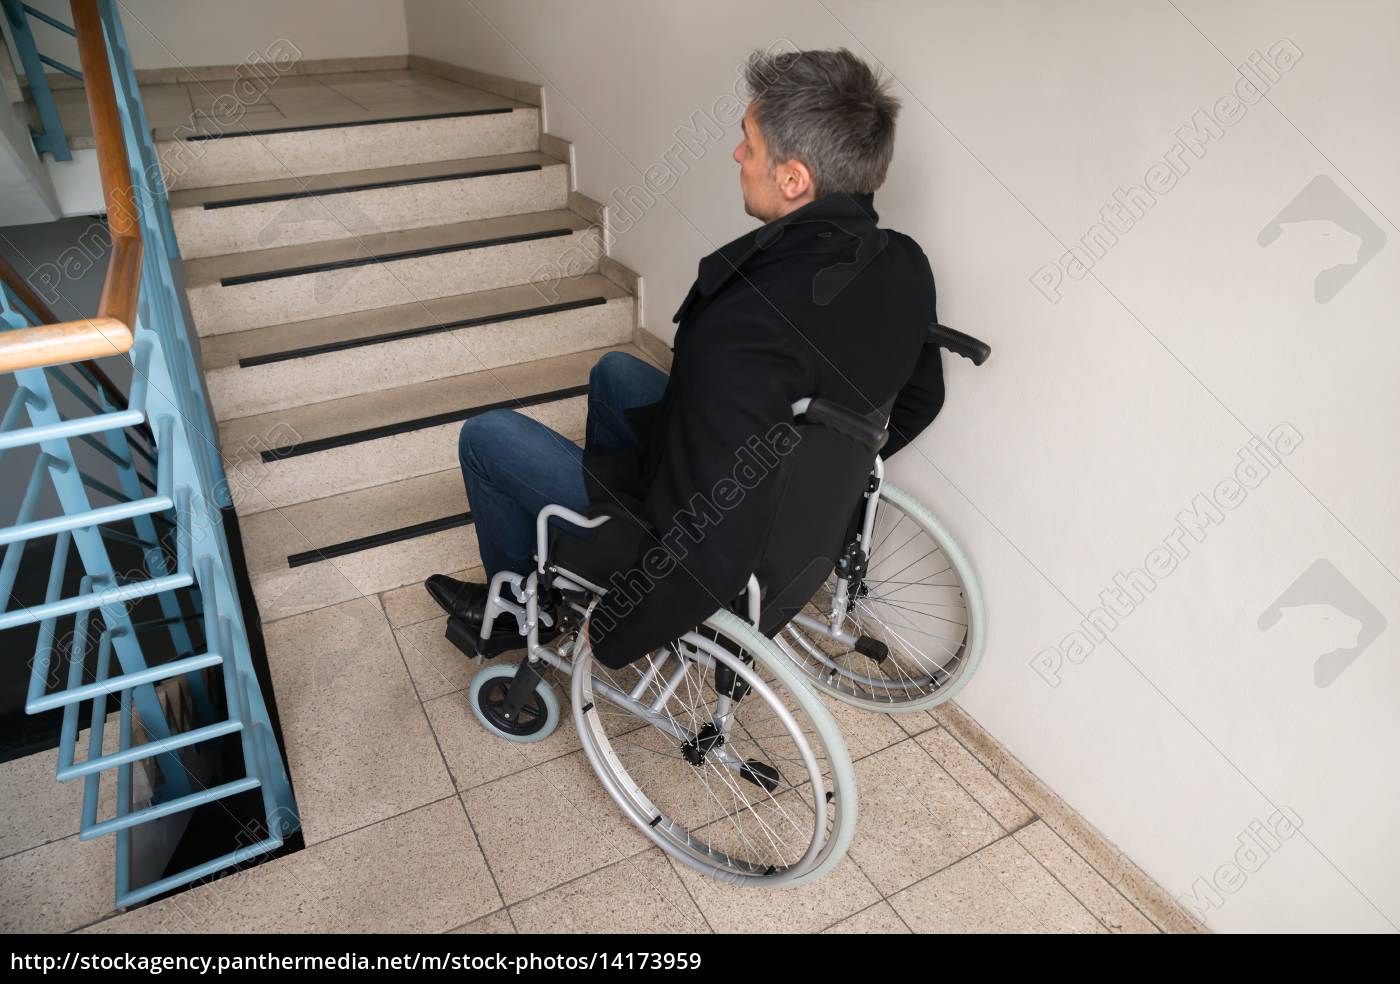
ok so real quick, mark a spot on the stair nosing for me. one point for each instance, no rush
(244, 279)
(223, 352)
(366, 434)
(403, 533)
(287, 355)
(308, 127)
(210, 206)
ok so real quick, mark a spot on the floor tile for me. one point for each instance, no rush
(359, 745)
(1034, 887)
(436, 665)
(639, 895)
(412, 603)
(58, 887)
(973, 776)
(496, 923)
(1087, 885)
(878, 919)
(982, 745)
(548, 825)
(418, 872)
(865, 732)
(997, 890)
(914, 818)
(805, 909)
(42, 809)
(915, 722)
(475, 755)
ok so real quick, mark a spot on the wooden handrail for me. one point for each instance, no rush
(55, 342)
(122, 288)
(112, 161)
(67, 341)
(21, 289)
(112, 330)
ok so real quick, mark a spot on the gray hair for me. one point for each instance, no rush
(828, 110)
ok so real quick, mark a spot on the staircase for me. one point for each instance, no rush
(363, 287)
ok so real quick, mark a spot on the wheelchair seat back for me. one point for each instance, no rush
(820, 482)
(818, 487)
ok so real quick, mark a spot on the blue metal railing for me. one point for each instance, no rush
(51, 138)
(155, 468)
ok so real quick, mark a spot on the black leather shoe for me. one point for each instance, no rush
(462, 600)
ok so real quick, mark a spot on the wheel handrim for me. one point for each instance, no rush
(723, 822)
(915, 600)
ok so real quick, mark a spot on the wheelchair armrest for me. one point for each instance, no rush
(542, 528)
(869, 432)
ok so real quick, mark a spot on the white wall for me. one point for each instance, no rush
(1067, 459)
(26, 192)
(171, 33)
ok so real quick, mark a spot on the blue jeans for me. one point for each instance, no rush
(514, 466)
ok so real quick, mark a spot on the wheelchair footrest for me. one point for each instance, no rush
(504, 637)
(872, 648)
(461, 636)
(468, 639)
(761, 774)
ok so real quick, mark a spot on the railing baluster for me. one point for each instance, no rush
(65, 69)
(51, 21)
(52, 140)
(168, 413)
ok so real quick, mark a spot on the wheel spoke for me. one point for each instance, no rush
(912, 598)
(732, 794)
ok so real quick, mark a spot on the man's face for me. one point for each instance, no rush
(757, 178)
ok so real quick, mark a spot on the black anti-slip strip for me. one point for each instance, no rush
(419, 423)
(394, 336)
(346, 123)
(407, 254)
(379, 539)
(370, 186)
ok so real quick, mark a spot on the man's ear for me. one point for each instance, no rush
(795, 181)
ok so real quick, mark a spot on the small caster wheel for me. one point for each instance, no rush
(537, 719)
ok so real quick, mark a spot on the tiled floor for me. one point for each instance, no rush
(417, 819)
(272, 101)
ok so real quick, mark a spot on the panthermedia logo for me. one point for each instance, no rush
(1334, 228)
(1322, 615)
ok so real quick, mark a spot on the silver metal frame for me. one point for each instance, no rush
(840, 600)
(835, 617)
(525, 609)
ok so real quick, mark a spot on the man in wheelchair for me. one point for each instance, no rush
(818, 302)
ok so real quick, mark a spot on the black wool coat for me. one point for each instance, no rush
(819, 303)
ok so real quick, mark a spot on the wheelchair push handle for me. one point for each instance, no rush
(959, 344)
(864, 430)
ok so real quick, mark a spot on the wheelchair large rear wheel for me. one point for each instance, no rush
(911, 632)
(722, 754)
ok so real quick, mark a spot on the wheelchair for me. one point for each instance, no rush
(720, 746)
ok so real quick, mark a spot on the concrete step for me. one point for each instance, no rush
(239, 291)
(290, 211)
(279, 459)
(288, 365)
(359, 543)
(250, 150)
